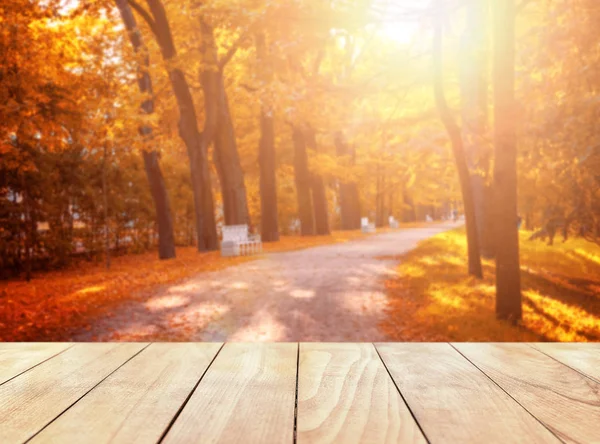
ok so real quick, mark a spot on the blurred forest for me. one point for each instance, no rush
(134, 125)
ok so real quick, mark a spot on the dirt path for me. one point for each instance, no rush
(327, 293)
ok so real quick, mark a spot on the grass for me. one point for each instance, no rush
(432, 298)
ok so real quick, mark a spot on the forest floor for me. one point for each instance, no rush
(54, 304)
(397, 285)
(326, 293)
(560, 287)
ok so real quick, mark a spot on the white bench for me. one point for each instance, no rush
(393, 222)
(295, 226)
(365, 226)
(238, 242)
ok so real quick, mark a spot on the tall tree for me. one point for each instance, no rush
(206, 230)
(158, 189)
(303, 183)
(508, 280)
(319, 196)
(226, 156)
(105, 205)
(348, 189)
(453, 130)
(474, 93)
(266, 153)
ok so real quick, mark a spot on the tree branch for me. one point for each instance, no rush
(248, 87)
(145, 15)
(233, 49)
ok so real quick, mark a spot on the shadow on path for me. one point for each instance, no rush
(328, 293)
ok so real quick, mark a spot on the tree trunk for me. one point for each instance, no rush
(235, 204)
(348, 191)
(303, 184)
(105, 200)
(164, 219)
(268, 179)
(29, 233)
(508, 278)
(377, 193)
(408, 208)
(320, 205)
(458, 151)
(380, 210)
(188, 131)
(356, 208)
(266, 155)
(474, 116)
(219, 128)
(162, 206)
(319, 193)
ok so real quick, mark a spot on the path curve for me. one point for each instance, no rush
(328, 293)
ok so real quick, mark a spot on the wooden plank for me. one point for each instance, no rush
(582, 356)
(33, 399)
(455, 402)
(18, 357)
(247, 395)
(137, 402)
(345, 394)
(567, 402)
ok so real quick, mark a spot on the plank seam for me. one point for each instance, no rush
(400, 393)
(508, 394)
(39, 363)
(182, 406)
(85, 394)
(295, 439)
(566, 365)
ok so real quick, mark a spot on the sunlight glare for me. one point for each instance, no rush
(397, 24)
(165, 302)
(302, 294)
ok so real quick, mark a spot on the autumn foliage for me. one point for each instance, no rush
(138, 128)
(56, 304)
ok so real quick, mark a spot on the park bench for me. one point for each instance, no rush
(365, 226)
(295, 226)
(393, 222)
(237, 241)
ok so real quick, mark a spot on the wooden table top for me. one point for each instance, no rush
(306, 393)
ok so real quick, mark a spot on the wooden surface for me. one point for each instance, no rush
(138, 412)
(306, 393)
(565, 401)
(346, 395)
(453, 400)
(247, 395)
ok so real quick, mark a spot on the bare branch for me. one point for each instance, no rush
(145, 15)
(248, 87)
(233, 49)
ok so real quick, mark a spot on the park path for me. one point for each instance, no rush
(327, 293)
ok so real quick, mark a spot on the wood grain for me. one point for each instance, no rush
(18, 357)
(345, 394)
(453, 401)
(247, 395)
(33, 399)
(137, 402)
(582, 356)
(567, 402)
